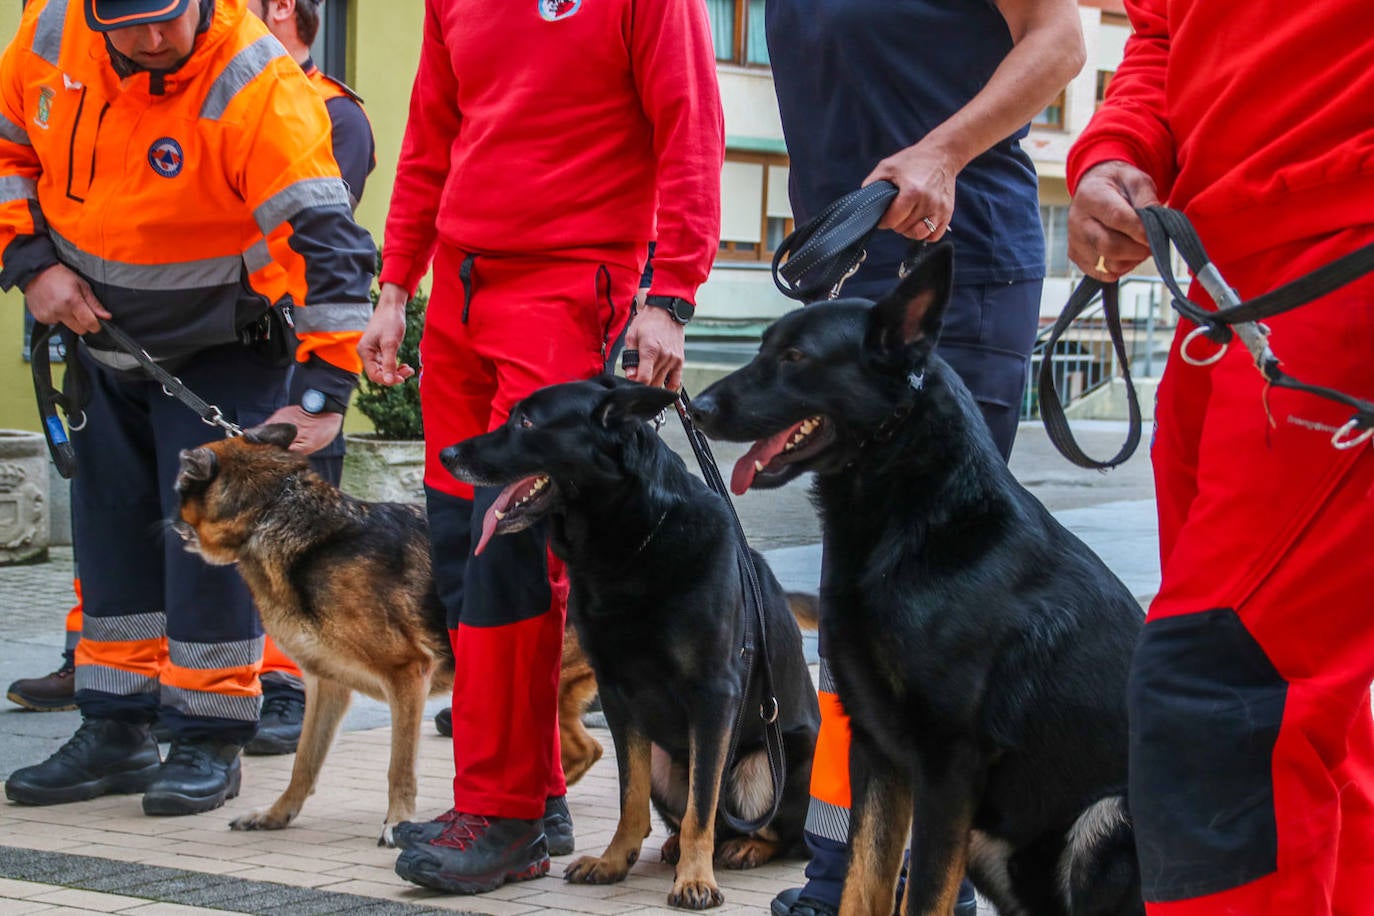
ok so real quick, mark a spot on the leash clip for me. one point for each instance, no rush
(853, 269)
(769, 716)
(216, 418)
(1339, 438)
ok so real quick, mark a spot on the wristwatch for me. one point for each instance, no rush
(678, 308)
(314, 401)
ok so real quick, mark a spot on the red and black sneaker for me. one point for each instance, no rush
(476, 854)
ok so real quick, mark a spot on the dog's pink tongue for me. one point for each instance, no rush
(489, 521)
(762, 452)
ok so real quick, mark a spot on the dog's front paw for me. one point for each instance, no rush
(695, 894)
(388, 837)
(603, 870)
(671, 850)
(745, 852)
(271, 819)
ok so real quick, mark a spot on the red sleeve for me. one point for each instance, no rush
(674, 66)
(422, 170)
(1133, 124)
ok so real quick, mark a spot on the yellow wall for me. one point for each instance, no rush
(17, 410)
(381, 69)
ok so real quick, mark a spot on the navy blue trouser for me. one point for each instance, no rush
(162, 627)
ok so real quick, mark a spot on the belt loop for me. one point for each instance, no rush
(465, 275)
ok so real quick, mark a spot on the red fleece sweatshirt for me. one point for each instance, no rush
(1255, 118)
(541, 125)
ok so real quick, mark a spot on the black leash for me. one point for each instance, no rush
(814, 261)
(1232, 318)
(755, 648)
(49, 398)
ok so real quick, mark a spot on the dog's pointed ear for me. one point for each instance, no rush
(632, 403)
(913, 312)
(195, 466)
(278, 434)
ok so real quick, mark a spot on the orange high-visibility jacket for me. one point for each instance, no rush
(171, 194)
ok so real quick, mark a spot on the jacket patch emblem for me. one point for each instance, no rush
(166, 157)
(554, 10)
(44, 112)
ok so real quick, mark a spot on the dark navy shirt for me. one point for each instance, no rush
(858, 80)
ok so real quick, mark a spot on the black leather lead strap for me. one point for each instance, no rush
(1052, 409)
(1165, 228)
(814, 261)
(171, 385)
(754, 649)
(50, 399)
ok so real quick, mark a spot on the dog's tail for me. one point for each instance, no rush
(806, 608)
(1098, 871)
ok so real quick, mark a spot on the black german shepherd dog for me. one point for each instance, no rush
(656, 597)
(979, 648)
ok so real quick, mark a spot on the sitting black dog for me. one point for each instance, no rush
(979, 648)
(657, 601)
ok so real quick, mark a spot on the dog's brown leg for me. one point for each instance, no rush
(576, 687)
(406, 693)
(632, 754)
(945, 798)
(326, 702)
(694, 886)
(877, 832)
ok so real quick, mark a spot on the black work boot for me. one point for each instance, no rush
(558, 828)
(197, 776)
(443, 721)
(476, 854)
(279, 728)
(50, 693)
(104, 757)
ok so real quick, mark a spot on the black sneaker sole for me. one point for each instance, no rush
(427, 873)
(267, 746)
(117, 784)
(35, 705)
(172, 804)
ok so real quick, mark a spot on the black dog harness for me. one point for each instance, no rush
(1232, 318)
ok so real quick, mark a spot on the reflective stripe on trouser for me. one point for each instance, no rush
(529, 322)
(135, 570)
(1252, 745)
(827, 816)
(74, 618)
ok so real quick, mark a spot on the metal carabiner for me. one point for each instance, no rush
(1339, 441)
(854, 268)
(1194, 333)
(769, 717)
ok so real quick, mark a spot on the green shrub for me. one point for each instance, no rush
(395, 411)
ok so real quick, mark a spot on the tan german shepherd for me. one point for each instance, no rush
(345, 588)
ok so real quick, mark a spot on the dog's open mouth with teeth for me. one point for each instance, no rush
(518, 506)
(773, 461)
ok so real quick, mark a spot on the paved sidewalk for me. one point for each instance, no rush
(105, 856)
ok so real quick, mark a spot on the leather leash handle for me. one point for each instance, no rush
(814, 261)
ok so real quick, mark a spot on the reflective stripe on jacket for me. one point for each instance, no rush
(155, 194)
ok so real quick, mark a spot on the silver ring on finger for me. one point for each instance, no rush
(931, 224)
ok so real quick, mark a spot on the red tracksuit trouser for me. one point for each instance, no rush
(497, 329)
(1252, 747)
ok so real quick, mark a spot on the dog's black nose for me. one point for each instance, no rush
(449, 456)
